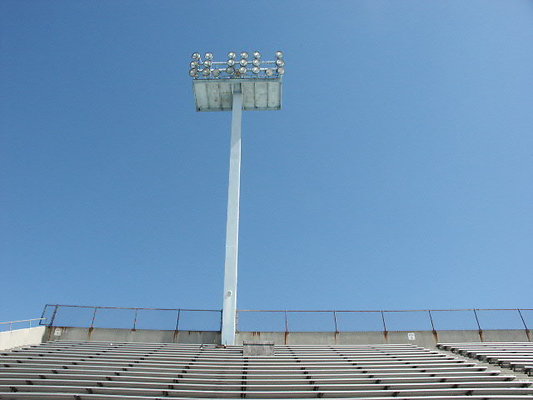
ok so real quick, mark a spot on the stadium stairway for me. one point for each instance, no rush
(514, 355)
(104, 370)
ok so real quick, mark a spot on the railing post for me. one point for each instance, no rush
(383, 320)
(178, 319)
(435, 334)
(431, 320)
(135, 319)
(52, 320)
(94, 317)
(335, 321)
(42, 314)
(478, 325)
(525, 325)
(286, 322)
(477, 319)
(522, 318)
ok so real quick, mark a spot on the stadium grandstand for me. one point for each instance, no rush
(409, 128)
(74, 352)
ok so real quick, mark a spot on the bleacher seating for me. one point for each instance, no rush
(103, 370)
(514, 355)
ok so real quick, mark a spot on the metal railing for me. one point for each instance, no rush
(130, 317)
(8, 325)
(400, 320)
(289, 320)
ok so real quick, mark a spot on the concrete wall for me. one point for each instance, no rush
(420, 338)
(21, 337)
(130, 335)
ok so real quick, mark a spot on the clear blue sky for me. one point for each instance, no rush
(399, 173)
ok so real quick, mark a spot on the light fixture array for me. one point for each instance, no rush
(246, 67)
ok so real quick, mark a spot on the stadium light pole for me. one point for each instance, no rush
(248, 83)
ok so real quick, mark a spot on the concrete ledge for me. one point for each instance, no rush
(21, 337)
(130, 335)
(420, 338)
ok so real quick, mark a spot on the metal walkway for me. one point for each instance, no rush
(104, 370)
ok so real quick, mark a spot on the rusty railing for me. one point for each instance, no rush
(289, 320)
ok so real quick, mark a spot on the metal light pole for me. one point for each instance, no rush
(236, 85)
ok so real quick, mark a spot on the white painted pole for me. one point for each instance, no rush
(229, 312)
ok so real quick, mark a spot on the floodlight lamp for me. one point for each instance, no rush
(204, 68)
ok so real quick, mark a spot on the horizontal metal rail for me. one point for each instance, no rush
(129, 308)
(389, 311)
(21, 321)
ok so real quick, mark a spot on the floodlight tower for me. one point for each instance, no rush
(248, 83)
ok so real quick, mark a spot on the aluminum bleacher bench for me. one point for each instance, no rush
(104, 371)
(514, 355)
